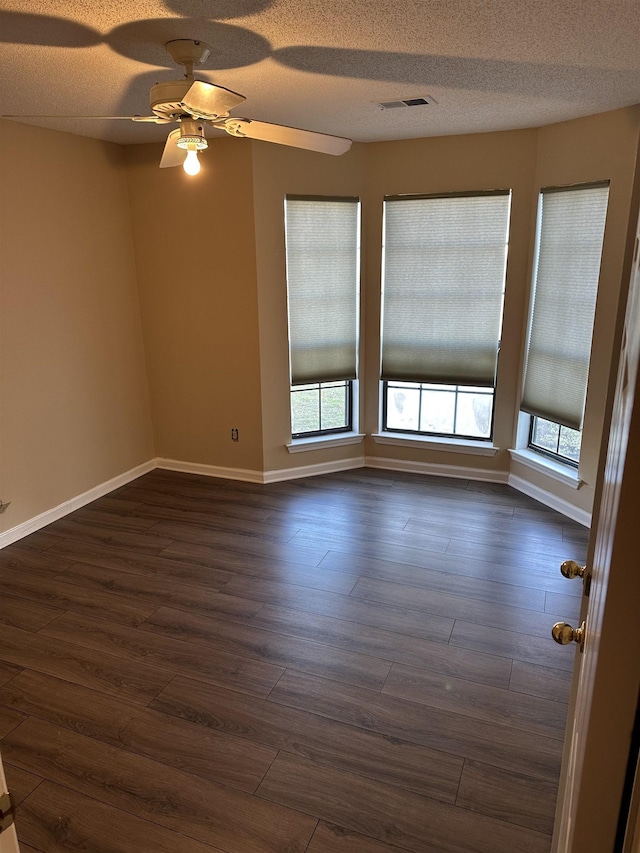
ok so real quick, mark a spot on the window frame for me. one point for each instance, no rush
(491, 390)
(337, 431)
(550, 454)
(529, 407)
(451, 436)
(529, 416)
(350, 382)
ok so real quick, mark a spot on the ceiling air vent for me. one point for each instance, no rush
(406, 102)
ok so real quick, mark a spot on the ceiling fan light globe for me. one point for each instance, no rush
(191, 163)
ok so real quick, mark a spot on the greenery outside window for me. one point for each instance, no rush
(321, 408)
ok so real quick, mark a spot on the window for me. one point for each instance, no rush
(555, 440)
(462, 410)
(323, 274)
(570, 234)
(321, 408)
(443, 290)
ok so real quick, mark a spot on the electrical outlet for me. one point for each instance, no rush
(4, 505)
(234, 435)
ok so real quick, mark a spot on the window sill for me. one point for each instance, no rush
(556, 470)
(453, 445)
(300, 445)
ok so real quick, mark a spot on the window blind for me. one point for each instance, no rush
(322, 250)
(565, 284)
(444, 272)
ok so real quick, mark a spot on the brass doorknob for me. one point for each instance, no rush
(564, 633)
(570, 569)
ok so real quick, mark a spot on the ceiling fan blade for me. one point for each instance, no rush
(204, 100)
(283, 135)
(151, 119)
(99, 118)
(172, 155)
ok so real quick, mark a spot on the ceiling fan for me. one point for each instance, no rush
(194, 104)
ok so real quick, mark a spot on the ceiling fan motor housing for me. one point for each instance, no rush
(166, 99)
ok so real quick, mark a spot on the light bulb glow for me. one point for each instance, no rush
(191, 163)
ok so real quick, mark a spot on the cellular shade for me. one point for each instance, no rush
(444, 272)
(322, 243)
(570, 234)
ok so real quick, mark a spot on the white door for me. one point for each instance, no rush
(608, 671)
(8, 839)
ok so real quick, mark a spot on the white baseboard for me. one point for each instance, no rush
(282, 474)
(485, 475)
(333, 467)
(249, 476)
(313, 470)
(33, 524)
(244, 474)
(549, 499)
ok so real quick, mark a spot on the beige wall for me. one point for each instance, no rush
(210, 272)
(195, 251)
(73, 391)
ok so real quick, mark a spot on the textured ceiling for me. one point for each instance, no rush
(325, 64)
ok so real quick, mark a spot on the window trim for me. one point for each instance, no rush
(343, 439)
(348, 375)
(565, 474)
(451, 444)
(456, 194)
(347, 368)
(444, 436)
(533, 408)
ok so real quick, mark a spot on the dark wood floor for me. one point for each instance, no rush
(354, 663)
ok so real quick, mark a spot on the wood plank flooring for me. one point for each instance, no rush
(352, 663)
